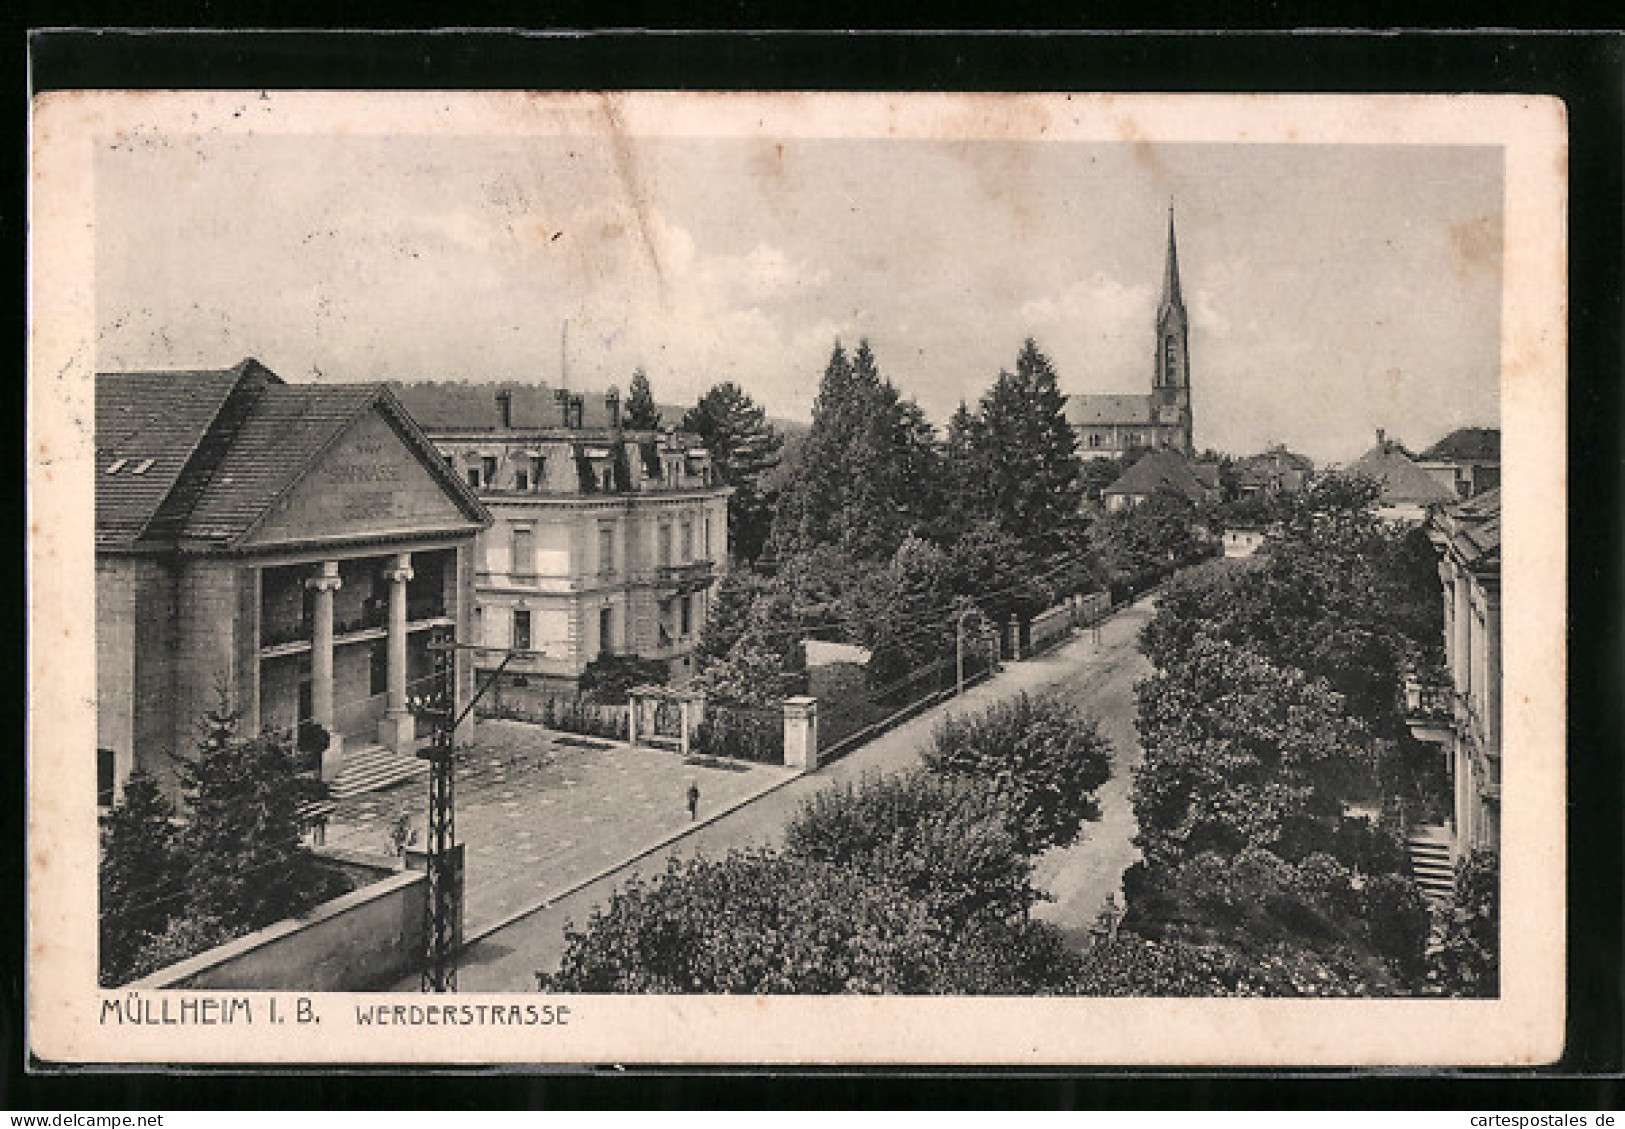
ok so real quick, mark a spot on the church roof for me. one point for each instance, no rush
(1402, 480)
(1109, 408)
(1156, 471)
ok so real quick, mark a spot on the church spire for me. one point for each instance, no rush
(1170, 274)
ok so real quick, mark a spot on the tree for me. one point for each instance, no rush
(1043, 758)
(1239, 753)
(863, 477)
(1026, 451)
(946, 840)
(140, 880)
(247, 865)
(745, 449)
(728, 614)
(1338, 594)
(641, 413)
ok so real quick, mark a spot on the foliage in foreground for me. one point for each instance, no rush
(760, 922)
(1468, 960)
(238, 863)
(1042, 757)
(947, 841)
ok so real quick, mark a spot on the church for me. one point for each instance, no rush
(1111, 425)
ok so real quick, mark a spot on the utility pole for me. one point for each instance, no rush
(440, 910)
(444, 866)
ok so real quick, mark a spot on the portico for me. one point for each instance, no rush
(292, 548)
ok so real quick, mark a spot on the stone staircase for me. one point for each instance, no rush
(1431, 863)
(373, 768)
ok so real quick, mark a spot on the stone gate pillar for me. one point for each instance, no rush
(801, 733)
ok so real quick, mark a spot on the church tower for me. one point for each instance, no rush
(1171, 385)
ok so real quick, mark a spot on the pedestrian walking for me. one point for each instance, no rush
(693, 800)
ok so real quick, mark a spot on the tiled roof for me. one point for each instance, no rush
(1402, 480)
(1473, 529)
(1094, 410)
(228, 444)
(161, 416)
(288, 428)
(1466, 444)
(1155, 471)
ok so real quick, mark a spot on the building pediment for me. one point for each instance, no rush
(369, 480)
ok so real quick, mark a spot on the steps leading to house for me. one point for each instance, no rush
(374, 768)
(1431, 865)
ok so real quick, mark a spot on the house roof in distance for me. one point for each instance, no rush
(1158, 470)
(1402, 480)
(1466, 445)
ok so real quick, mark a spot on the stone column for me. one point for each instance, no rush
(397, 728)
(323, 585)
(801, 733)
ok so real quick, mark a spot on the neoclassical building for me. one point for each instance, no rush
(605, 539)
(1462, 714)
(1113, 424)
(291, 546)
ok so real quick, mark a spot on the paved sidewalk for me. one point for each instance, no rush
(539, 811)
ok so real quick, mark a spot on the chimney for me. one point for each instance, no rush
(612, 406)
(505, 407)
(576, 403)
(1382, 439)
(562, 395)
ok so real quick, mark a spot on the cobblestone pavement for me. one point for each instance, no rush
(539, 811)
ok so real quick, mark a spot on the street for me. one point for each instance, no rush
(1101, 676)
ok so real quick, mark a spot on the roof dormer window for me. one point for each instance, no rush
(117, 465)
(143, 466)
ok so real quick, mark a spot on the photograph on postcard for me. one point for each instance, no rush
(1008, 564)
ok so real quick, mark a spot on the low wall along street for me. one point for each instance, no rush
(367, 938)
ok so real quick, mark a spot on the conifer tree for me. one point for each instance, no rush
(1027, 451)
(140, 876)
(745, 450)
(248, 866)
(640, 413)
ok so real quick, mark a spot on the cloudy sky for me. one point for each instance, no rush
(1333, 289)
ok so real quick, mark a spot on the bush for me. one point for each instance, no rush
(1043, 759)
(945, 840)
(610, 678)
(1398, 920)
(763, 923)
(1467, 962)
(1329, 884)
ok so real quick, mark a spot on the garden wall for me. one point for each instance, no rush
(366, 939)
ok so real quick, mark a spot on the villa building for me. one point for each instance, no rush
(605, 539)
